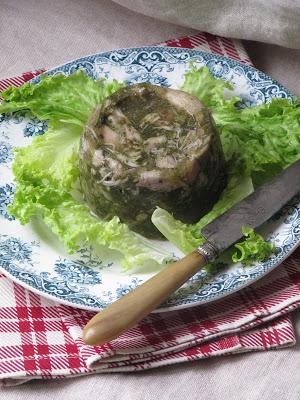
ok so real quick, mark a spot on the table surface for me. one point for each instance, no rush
(42, 33)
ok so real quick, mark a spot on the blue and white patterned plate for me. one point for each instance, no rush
(32, 256)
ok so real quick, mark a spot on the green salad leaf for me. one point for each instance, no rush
(69, 99)
(72, 222)
(258, 142)
(253, 248)
(187, 237)
(265, 137)
(66, 102)
(52, 157)
(46, 172)
(211, 91)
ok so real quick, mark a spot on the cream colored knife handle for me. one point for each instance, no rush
(130, 309)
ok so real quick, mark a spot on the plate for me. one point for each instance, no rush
(32, 256)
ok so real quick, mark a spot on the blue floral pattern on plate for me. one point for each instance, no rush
(35, 127)
(13, 250)
(6, 198)
(6, 154)
(31, 254)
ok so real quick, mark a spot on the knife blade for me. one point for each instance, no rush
(251, 212)
(222, 233)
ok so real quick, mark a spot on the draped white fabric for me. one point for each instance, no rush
(270, 21)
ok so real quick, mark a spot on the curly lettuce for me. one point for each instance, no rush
(254, 248)
(258, 142)
(265, 137)
(46, 172)
(187, 237)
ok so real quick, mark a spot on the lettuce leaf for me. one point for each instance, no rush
(46, 172)
(265, 137)
(211, 91)
(258, 142)
(52, 157)
(187, 237)
(74, 225)
(66, 102)
(69, 99)
(253, 248)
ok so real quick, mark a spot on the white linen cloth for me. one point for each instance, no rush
(271, 21)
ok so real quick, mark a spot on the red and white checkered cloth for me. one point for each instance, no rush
(40, 338)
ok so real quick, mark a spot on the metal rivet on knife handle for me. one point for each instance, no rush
(208, 251)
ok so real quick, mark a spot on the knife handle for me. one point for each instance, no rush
(134, 306)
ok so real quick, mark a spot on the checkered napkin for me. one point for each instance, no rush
(41, 339)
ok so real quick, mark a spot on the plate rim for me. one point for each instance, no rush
(157, 310)
(35, 79)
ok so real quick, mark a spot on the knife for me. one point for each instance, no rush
(220, 234)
